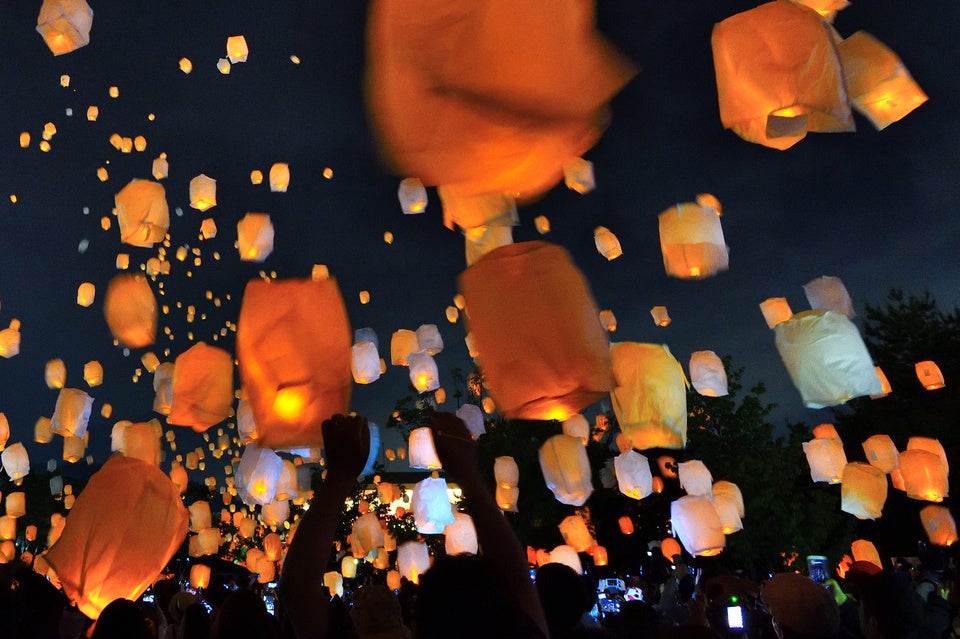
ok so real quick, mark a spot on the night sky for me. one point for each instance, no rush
(877, 209)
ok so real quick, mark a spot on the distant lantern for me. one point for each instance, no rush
(660, 316)
(65, 24)
(607, 243)
(939, 524)
(452, 314)
(608, 320)
(924, 475)
(55, 373)
(199, 576)
(730, 489)
(429, 339)
(423, 371)
(423, 454)
(542, 224)
(186, 66)
(42, 434)
(16, 504)
(366, 535)
(101, 557)
(256, 177)
(879, 85)
(828, 293)
(413, 196)
(626, 525)
(692, 243)
(223, 66)
(566, 555)
(552, 360)
(929, 375)
(728, 512)
(203, 192)
(163, 388)
(566, 469)
(9, 342)
(695, 478)
(670, 548)
(202, 387)
(93, 373)
(633, 474)
(255, 237)
(293, 348)
(200, 516)
(365, 362)
(258, 475)
(825, 431)
(864, 550)
(143, 213)
(402, 343)
(826, 358)
(72, 412)
(130, 309)
(364, 297)
(160, 167)
(863, 490)
(237, 49)
(697, 525)
(775, 310)
(279, 177)
(472, 416)
(208, 228)
(826, 459)
(650, 398)
(578, 175)
(86, 293)
(413, 559)
(394, 579)
(576, 534)
(73, 448)
(431, 507)
(460, 536)
(8, 528)
(779, 75)
(881, 452)
(707, 374)
(178, 475)
(885, 388)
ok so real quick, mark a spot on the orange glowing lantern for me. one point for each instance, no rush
(575, 533)
(131, 310)
(626, 525)
(929, 375)
(882, 453)
(825, 431)
(658, 485)
(203, 192)
(412, 196)
(202, 387)
(143, 213)
(413, 559)
(775, 310)
(423, 371)
(931, 445)
(200, 576)
(72, 412)
(141, 441)
(863, 491)
(670, 548)
(55, 373)
(696, 523)
(939, 524)
(279, 177)
(826, 459)
(254, 237)
(65, 24)
(864, 550)
(650, 398)
(924, 475)
(691, 239)
(885, 388)
(660, 315)
(607, 243)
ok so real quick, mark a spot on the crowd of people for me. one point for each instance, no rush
(493, 594)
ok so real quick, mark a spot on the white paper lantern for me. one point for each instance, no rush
(566, 469)
(567, 556)
(728, 512)
(365, 362)
(429, 339)
(692, 243)
(412, 196)
(255, 237)
(431, 506)
(423, 454)
(258, 474)
(576, 534)
(413, 559)
(72, 412)
(828, 293)
(826, 458)
(607, 243)
(366, 535)
(578, 175)
(730, 489)
(695, 478)
(707, 374)
(697, 525)
(633, 474)
(461, 536)
(65, 24)
(577, 426)
(472, 416)
(423, 371)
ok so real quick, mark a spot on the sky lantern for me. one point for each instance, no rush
(489, 98)
(939, 524)
(9, 342)
(16, 504)
(72, 412)
(461, 536)
(142, 441)
(863, 490)
(258, 474)
(550, 361)
(402, 343)
(826, 358)
(578, 175)
(566, 469)
(237, 50)
(142, 212)
(864, 550)
(633, 474)
(626, 525)
(423, 453)
(566, 555)
(607, 243)
(42, 434)
(86, 293)
(279, 177)
(366, 535)
(828, 293)
(429, 339)
(577, 426)
(881, 452)
(413, 559)
(65, 24)
(73, 448)
(885, 388)
(728, 512)
(692, 243)
(130, 309)
(826, 459)
(294, 351)
(707, 374)
(431, 506)
(55, 373)
(254, 237)
(412, 196)
(775, 310)
(929, 375)
(472, 416)
(650, 398)
(199, 576)
(208, 228)
(779, 75)
(178, 475)
(695, 478)
(879, 85)
(476, 213)
(365, 362)
(731, 490)
(608, 320)
(4, 430)
(101, 556)
(931, 445)
(481, 240)
(202, 387)
(163, 388)
(697, 525)
(200, 515)
(93, 373)
(824, 431)
(203, 192)
(660, 315)
(506, 473)
(575, 533)
(423, 371)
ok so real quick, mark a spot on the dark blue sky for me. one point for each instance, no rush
(877, 209)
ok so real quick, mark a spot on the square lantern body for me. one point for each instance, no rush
(775, 310)
(863, 490)
(203, 192)
(826, 459)
(575, 533)
(254, 237)
(124, 528)
(142, 213)
(939, 524)
(879, 85)
(202, 387)
(707, 374)
(551, 360)
(294, 350)
(412, 195)
(828, 293)
(691, 239)
(461, 536)
(826, 358)
(633, 474)
(924, 475)
(929, 375)
(72, 413)
(779, 75)
(697, 525)
(366, 535)
(429, 339)
(130, 309)
(65, 24)
(729, 513)
(695, 478)
(431, 506)
(881, 452)
(566, 469)
(650, 399)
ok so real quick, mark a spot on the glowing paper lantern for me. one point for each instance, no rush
(697, 525)
(163, 388)
(429, 339)
(293, 345)
(633, 474)
(4, 430)
(413, 559)
(55, 373)
(142, 441)
(8, 528)
(431, 506)
(402, 343)
(72, 412)
(939, 524)
(608, 320)
(73, 448)
(576, 534)
(279, 177)
(826, 358)
(825, 431)
(578, 175)
(237, 50)
(423, 371)
(9, 342)
(626, 525)
(423, 454)
(200, 516)
(203, 192)
(567, 556)
(202, 387)
(142, 213)
(778, 75)
(863, 550)
(254, 237)
(607, 243)
(208, 542)
(42, 434)
(258, 475)
(691, 239)
(86, 293)
(660, 316)
(550, 361)
(863, 490)
(826, 459)
(879, 85)
(881, 452)
(650, 398)
(65, 24)
(334, 583)
(929, 375)
(729, 490)
(931, 445)
(695, 478)
(200, 576)
(287, 482)
(472, 416)
(413, 196)
(670, 548)
(885, 388)
(366, 535)
(16, 505)
(131, 310)
(707, 374)
(924, 475)
(728, 512)
(460, 536)
(101, 557)
(566, 469)
(577, 426)
(93, 373)
(348, 567)
(829, 294)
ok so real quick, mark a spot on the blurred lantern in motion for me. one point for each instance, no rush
(881, 452)
(413, 196)
(650, 398)
(779, 75)
(200, 516)
(203, 192)
(826, 459)
(607, 243)
(100, 556)
(880, 87)
(863, 491)
(697, 525)
(660, 316)
(829, 294)
(65, 24)
(131, 310)
(142, 213)
(258, 474)
(202, 387)
(460, 536)
(294, 351)
(578, 175)
(939, 525)
(279, 177)
(566, 469)
(826, 358)
(775, 310)
(576, 534)
(413, 559)
(550, 361)
(254, 237)
(9, 341)
(929, 375)
(72, 413)
(487, 97)
(692, 243)
(431, 507)
(163, 387)
(633, 474)
(707, 374)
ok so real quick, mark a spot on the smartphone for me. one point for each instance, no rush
(817, 567)
(735, 617)
(270, 604)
